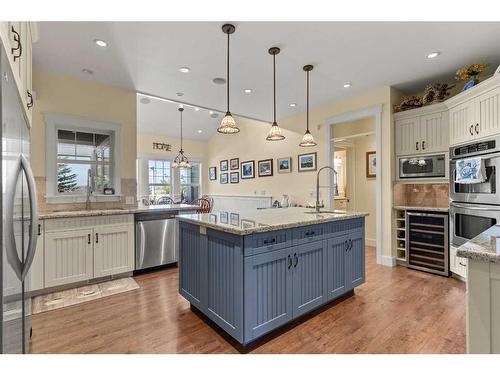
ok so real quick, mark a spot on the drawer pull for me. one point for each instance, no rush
(476, 128)
(268, 242)
(97, 238)
(19, 47)
(39, 229)
(296, 260)
(416, 146)
(423, 145)
(463, 265)
(30, 96)
(309, 233)
(470, 130)
(346, 244)
(289, 261)
(88, 239)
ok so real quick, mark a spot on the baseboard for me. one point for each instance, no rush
(388, 261)
(370, 242)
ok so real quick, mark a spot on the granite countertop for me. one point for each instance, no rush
(116, 211)
(422, 208)
(484, 247)
(257, 221)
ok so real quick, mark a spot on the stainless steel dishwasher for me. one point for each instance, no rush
(155, 239)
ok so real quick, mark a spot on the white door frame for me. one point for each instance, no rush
(376, 112)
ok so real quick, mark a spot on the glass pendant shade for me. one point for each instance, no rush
(228, 125)
(307, 140)
(275, 133)
(181, 161)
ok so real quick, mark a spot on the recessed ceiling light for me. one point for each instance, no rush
(200, 131)
(247, 91)
(196, 109)
(87, 71)
(433, 55)
(100, 43)
(179, 93)
(145, 100)
(219, 81)
(347, 85)
(184, 69)
(293, 105)
(214, 115)
(211, 112)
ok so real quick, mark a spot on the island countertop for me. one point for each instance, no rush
(266, 220)
(484, 247)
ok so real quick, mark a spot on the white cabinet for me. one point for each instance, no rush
(422, 131)
(461, 123)
(68, 257)
(113, 250)
(487, 114)
(458, 265)
(37, 271)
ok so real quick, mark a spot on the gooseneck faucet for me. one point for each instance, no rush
(90, 188)
(318, 206)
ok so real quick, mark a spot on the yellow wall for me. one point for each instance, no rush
(63, 94)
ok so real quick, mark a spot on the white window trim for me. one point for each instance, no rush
(54, 121)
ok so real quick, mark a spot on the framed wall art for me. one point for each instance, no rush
(212, 173)
(266, 168)
(284, 165)
(307, 162)
(234, 164)
(223, 165)
(247, 169)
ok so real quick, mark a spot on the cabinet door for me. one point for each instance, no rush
(268, 292)
(113, 250)
(407, 136)
(37, 267)
(355, 260)
(462, 123)
(17, 38)
(336, 252)
(309, 277)
(488, 114)
(434, 132)
(68, 257)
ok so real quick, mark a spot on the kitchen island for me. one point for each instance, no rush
(251, 272)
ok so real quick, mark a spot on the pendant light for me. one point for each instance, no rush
(275, 132)
(181, 161)
(307, 139)
(228, 125)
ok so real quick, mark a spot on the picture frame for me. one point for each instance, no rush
(223, 217)
(212, 218)
(223, 178)
(265, 167)
(224, 165)
(234, 177)
(247, 224)
(284, 165)
(371, 164)
(247, 169)
(234, 164)
(234, 219)
(307, 162)
(212, 173)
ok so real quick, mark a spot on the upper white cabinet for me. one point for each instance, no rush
(474, 114)
(422, 131)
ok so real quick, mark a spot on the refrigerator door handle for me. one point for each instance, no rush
(30, 180)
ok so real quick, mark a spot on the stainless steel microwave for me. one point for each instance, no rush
(422, 166)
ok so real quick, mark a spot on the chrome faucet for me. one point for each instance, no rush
(318, 205)
(90, 188)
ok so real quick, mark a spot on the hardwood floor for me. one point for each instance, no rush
(397, 310)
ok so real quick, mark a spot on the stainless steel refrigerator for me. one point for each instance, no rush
(19, 223)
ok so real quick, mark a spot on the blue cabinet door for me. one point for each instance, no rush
(309, 276)
(192, 261)
(336, 253)
(224, 304)
(355, 265)
(268, 292)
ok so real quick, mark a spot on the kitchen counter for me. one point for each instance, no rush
(117, 211)
(257, 221)
(422, 208)
(484, 247)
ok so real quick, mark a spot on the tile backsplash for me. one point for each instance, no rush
(428, 195)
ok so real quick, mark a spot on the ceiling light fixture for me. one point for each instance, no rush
(293, 105)
(307, 139)
(196, 109)
(179, 93)
(432, 55)
(181, 161)
(184, 69)
(247, 91)
(228, 125)
(275, 133)
(200, 131)
(347, 85)
(219, 81)
(100, 43)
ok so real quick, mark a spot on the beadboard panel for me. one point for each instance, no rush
(71, 223)
(113, 250)
(488, 106)
(356, 261)
(335, 258)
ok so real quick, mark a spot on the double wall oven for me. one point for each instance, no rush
(475, 207)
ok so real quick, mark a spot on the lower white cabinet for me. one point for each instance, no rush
(458, 265)
(113, 250)
(37, 272)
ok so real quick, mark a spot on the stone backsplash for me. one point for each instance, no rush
(428, 195)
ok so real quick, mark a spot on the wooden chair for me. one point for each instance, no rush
(145, 201)
(204, 205)
(211, 200)
(164, 200)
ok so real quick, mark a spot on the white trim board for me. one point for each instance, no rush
(376, 112)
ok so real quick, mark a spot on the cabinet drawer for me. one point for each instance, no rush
(268, 241)
(308, 234)
(340, 228)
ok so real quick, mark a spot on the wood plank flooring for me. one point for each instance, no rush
(397, 310)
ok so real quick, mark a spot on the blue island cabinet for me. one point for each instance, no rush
(250, 285)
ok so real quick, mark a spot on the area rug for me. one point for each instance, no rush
(85, 293)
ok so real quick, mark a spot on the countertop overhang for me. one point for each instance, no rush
(484, 247)
(257, 221)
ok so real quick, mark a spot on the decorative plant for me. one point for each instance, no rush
(471, 71)
(408, 102)
(436, 92)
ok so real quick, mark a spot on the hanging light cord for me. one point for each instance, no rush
(307, 101)
(274, 86)
(228, 72)
(181, 132)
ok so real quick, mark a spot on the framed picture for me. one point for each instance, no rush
(307, 162)
(224, 217)
(234, 164)
(247, 224)
(234, 177)
(212, 173)
(371, 164)
(212, 219)
(284, 165)
(234, 219)
(265, 168)
(247, 169)
(223, 178)
(223, 165)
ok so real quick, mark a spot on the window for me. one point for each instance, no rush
(160, 178)
(80, 153)
(190, 183)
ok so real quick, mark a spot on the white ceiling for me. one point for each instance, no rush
(146, 57)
